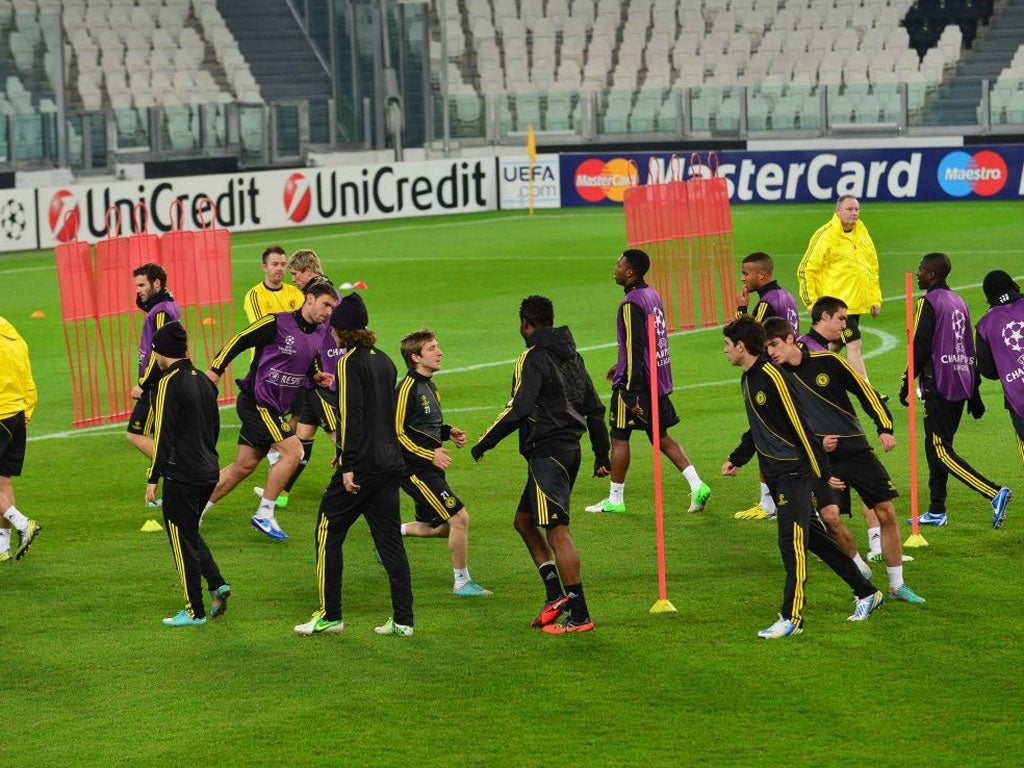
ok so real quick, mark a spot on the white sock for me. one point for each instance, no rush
(5, 539)
(690, 473)
(895, 577)
(616, 493)
(273, 457)
(461, 577)
(860, 562)
(266, 509)
(767, 502)
(403, 529)
(875, 539)
(15, 518)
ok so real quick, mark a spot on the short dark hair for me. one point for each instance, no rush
(538, 311)
(318, 288)
(638, 260)
(761, 258)
(937, 263)
(274, 249)
(412, 344)
(153, 272)
(747, 330)
(778, 328)
(829, 304)
(360, 337)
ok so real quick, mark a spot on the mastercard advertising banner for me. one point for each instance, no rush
(932, 174)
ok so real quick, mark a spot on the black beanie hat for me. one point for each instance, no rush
(350, 314)
(171, 341)
(1000, 288)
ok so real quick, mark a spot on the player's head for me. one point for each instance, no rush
(780, 340)
(274, 263)
(420, 350)
(170, 343)
(320, 301)
(349, 320)
(632, 265)
(1000, 288)
(934, 268)
(826, 305)
(535, 312)
(848, 211)
(150, 279)
(304, 265)
(828, 317)
(744, 340)
(757, 269)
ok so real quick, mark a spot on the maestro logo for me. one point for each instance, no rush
(296, 197)
(983, 173)
(64, 214)
(597, 180)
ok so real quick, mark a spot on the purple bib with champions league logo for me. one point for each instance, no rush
(812, 343)
(783, 305)
(284, 364)
(149, 329)
(650, 302)
(952, 345)
(1003, 329)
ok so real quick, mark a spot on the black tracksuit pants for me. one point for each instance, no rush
(183, 504)
(378, 501)
(797, 534)
(941, 421)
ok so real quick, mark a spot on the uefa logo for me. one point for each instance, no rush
(296, 197)
(64, 215)
(962, 174)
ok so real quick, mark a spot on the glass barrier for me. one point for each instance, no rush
(252, 133)
(215, 125)
(132, 127)
(286, 130)
(1005, 102)
(953, 103)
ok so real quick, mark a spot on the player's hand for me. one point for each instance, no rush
(729, 469)
(602, 466)
(888, 441)
(836, 483)
(904, 391)
(611, 374)
(213, 376)
(151, 493)
(476, 452)
(442, 459)
(876, 310)
(323, 379)
(743, 297)
(975, 406)
(830, 442)
(348, 478)
(136, 392)
(458, 437)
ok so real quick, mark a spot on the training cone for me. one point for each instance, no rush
(663, 606)
(208, 321)
(151, 526)
(346, 287)
(38, 314)
(915, 540)
(360, 285)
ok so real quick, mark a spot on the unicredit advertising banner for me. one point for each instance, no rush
(268, 199)
(968, 173)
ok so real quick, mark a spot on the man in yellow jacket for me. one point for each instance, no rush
(17, 402)
(841, 261)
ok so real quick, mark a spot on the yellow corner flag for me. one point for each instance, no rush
(531, 144)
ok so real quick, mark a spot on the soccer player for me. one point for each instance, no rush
(630, 378)
(841, 261)
(185, 456)
(153, 298)
(944, 364)
(287, 346)
(999, 341)
(272, 294)
(823, 382)
(317, 405)
(367, 478)
(790, 458)
(773, 301)
(18, 398)
(550, 390)
(421, 434)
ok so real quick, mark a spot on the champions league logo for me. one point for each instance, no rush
(12, 220)
(959, 329)
(1013, 338)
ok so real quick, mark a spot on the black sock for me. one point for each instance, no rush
(577, 603)
(549, 575)
(307, 451)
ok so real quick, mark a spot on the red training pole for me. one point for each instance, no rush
(662, 605)
(915, 539)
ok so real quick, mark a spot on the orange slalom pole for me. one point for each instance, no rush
(662, 605)
(915, 539)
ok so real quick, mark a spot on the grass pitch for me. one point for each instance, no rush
(94, 679)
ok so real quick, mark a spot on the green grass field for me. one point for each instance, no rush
(94, 679)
